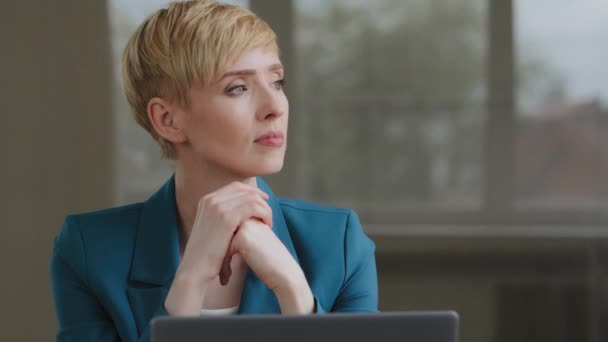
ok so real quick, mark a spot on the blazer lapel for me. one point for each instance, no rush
(257, 298)
(156, 255)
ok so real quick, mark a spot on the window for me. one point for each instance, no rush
(562, 105)
(391, 97)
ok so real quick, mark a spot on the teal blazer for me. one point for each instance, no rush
(111, 269)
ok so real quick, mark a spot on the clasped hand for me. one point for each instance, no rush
(236, 219)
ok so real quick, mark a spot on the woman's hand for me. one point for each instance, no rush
(270, 260)
(218, 216)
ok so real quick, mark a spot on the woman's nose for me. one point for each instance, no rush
(273, 104)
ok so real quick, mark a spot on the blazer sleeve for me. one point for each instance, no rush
(359, 291)
(80, 315)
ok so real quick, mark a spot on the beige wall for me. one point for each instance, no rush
(56, 145)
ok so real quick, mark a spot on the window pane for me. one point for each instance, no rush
(562, 139)
(390, 96)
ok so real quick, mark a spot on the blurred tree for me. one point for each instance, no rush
(376, 81)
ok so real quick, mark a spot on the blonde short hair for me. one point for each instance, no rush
(189, 42)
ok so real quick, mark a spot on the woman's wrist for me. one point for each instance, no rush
(196, 272)
(295, 297)
(186, 295)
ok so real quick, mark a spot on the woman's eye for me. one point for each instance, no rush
(279, 84)
(237, 90)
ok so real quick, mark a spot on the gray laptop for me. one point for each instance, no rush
(428, 326)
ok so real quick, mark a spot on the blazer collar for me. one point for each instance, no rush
(156, 254)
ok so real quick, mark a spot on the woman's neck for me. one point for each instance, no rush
(194, 180)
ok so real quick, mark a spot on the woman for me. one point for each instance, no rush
(205, 80)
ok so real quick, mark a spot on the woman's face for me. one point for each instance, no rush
(240, 123)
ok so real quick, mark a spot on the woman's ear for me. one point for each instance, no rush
(165, 119)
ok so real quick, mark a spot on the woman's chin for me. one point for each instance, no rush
(269, 167)
(270, 170)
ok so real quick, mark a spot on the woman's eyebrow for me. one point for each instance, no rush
(249, 72)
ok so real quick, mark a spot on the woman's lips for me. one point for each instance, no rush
(273, 139)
